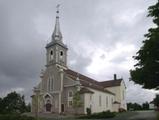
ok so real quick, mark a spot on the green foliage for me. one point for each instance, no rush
(89, 112)
(13, 103)
(145, 106)
(157, 115)
(77, 103)
(1, 105)
(77, 100)
(136, 106)
(15, 117)
(101, 115)
(146, 72)
(156, 100)
(28, 108)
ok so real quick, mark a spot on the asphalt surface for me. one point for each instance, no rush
(144, 115)
(133, 115)
(137, 115)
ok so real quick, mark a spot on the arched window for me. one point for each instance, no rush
(61, 55)
(51, 55)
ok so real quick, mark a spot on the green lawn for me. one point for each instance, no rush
(157, 115)
(119, 116)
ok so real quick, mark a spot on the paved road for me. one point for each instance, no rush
(144, 115)
(137, 115)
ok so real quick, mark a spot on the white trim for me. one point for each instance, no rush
(47, 94)
(52, 83)
(70, 85)
(48, 84)
(55, 92)
(60, 66)
(100, 100)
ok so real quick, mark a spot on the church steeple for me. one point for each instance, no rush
(56, 49)
(57, 36)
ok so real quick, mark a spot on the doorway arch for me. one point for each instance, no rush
(48, 106)
(48, 103)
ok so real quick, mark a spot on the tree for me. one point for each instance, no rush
(13, 103)
(145, 106)
(146, 72)
(28, 107)
(1, 105)
(134, 106)
(156, 100)
(77, 103)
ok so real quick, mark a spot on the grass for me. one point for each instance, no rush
(125, 115)
(157, 115)
(119, 116)
(101, 115)
(15, 117)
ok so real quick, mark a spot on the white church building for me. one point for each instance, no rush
(56, 91)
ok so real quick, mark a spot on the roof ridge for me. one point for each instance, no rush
(111, 80)
(86, 80)
(83, 75)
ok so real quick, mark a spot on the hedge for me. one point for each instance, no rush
(101, 115)
(15, 117)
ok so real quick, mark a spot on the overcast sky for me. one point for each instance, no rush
(102, 36)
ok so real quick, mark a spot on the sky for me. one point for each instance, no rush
(102, 36)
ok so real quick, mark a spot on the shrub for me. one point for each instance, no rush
(122, 110)
(101, 115)
(88, 111)
(15, 117)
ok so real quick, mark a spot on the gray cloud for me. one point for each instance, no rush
(87, 26)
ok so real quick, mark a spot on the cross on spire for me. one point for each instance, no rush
(57, 11)
(57, 7)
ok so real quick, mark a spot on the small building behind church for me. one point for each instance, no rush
(59, 84)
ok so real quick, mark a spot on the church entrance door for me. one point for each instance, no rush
(48, 107)
(62, 107)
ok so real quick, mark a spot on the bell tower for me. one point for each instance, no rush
(56, 49)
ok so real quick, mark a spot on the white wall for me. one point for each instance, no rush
(120, 94)
(93, 101)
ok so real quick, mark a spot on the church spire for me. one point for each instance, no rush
(57, 36)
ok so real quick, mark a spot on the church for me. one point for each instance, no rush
(64, 91)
